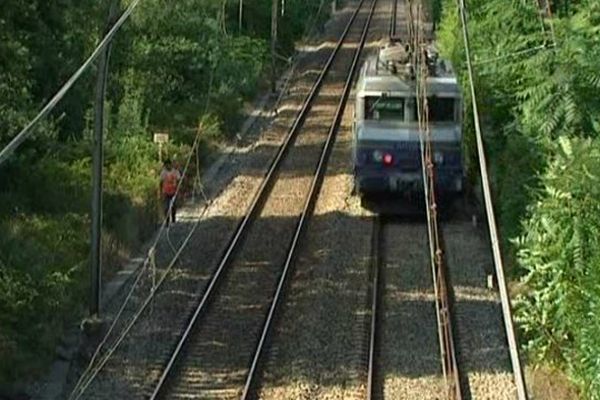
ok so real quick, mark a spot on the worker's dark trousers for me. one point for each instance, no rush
(167, 200)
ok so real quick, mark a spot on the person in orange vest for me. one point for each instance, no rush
(169, 179)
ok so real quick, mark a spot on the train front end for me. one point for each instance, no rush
(387, 138)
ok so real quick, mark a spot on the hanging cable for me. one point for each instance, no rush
(493, 231)
(150, 256)
(90, 372)
(28, 130)
(445, 334)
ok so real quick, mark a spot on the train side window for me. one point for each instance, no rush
(441, 109)
(384, 108)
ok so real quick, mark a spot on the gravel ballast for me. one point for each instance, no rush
(481, 339)
(409, 348)
(318, 349)
(216, 360)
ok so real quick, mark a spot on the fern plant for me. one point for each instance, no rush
(560, 252)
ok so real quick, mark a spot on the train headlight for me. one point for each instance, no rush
(377, 156)
(438, 157)
(388, 159)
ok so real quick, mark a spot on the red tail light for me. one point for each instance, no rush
(388, 159)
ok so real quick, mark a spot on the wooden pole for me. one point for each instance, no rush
(97, 165)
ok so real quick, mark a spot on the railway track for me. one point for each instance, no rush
(221, 351)
(405, 332)
(138, 361)
(240, 293)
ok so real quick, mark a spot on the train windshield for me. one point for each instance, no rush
(441, 109)
(384, 108)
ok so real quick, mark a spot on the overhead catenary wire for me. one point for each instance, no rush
(28, 130)
(414, 38)
(445, 335)
(489, 208)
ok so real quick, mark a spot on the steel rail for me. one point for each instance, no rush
(253, 210)
(376, 243)
(489, 209)
(308, 209)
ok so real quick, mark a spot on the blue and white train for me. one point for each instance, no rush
(386, 141)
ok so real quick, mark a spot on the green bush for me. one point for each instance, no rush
(560, 252)
(537, 104)
(40, 285)
(172, 65)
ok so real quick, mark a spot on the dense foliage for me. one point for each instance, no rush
(559, 251)
(174, 64)
(537, 78)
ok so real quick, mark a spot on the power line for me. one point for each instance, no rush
(28, 130)
(493, 231)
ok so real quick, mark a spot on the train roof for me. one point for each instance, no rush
(390, 71)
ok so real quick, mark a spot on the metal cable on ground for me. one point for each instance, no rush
(150, 255)
(144, 267)
(147, 261)
(445, 334)
(485, 183)
(315, 20)
(420, 115)
(28, 130)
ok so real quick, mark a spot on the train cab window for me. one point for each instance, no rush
(384, 108)
(441, 109)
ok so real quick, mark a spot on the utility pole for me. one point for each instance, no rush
(97, 165)
(274, 12)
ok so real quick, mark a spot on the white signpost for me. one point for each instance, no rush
(161, 138)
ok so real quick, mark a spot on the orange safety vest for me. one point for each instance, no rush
(170, 183)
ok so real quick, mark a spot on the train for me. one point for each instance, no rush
(386, 147)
